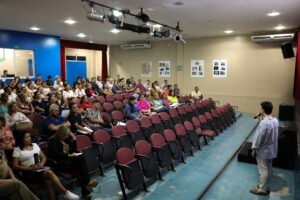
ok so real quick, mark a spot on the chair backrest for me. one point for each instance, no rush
(199, 104)
(179, 128)
(145, 122)
(91, 99)
(169, 135)
(181, 99)
(155, 119)
(101, 99)
(119, 97)
(118, 104)
(101, 136)
(193, 106)
(208, 115)
(110, 98)
(36, 118)
(118, 131)
(173, 112)
(101, 109)
(164, 116)
(188, 108)
(202, 119)
(126, 95)
(125, 102)
(188, 126)
(157, 140)
(219, 110)
(108, 106)
(181, 110)
(125, 156)
(32, 131)
(214, 113)
(142, 147)
(196, 122)
(106, 115)
(117, 115)
(83, 142)
(210, 100)
(187, 98)
(132, 126)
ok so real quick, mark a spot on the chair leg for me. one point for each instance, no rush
(101, 170)
(205, 140)
(182, 160)
(145, 187)
(159, 176)
(172, 168)
(121, 185)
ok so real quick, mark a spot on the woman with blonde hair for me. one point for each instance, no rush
(62, 148)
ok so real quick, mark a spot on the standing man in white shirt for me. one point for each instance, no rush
(265, 147)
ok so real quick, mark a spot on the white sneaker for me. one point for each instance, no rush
(71, 196)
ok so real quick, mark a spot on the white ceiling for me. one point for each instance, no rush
(198, 18)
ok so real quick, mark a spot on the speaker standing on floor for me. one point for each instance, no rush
(286, 112)
(287, 50)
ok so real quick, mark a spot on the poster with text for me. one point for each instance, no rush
(197, 68)
(146, 70)
(220, 68)
(164, 68)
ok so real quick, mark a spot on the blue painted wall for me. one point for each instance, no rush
(46, 50)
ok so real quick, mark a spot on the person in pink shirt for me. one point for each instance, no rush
(143, 105)
(7, 140)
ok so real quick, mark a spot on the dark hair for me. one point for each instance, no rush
(19, 137)
(35, 94)
(5, 90)
(139, 97)
(267, 107)
(129, 102)
(2, 120)
(49, 76)
(82, 98)
(170, 93)
(71, 105)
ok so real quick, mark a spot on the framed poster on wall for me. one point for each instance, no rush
(197, 68)
(146, 70)
(219, 68)
(164, 68)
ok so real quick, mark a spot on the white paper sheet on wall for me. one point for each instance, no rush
(219, 68)
(197, 68)
(164, 68)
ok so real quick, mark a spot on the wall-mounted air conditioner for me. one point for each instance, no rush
(135, 46)
(273, 38)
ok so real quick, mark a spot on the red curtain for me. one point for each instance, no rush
(297, 72)
(82, 45)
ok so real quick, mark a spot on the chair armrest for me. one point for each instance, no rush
(142, 156)
(158, 149)
(120, 166)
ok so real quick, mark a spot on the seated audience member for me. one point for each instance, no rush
(58, 84)
(41, 91)
(60, 100)
(38, 103)
(24, 106)
(106, 89)
(165, 90)
(118, 78)
(54, 121)
(166, 102)
(10, 187)
(95, 87)
(49, 81)
(7, 140)
(5, 73)
(39, 79)
(3, 86)
(99, 82)
(116, 89)
(140, 85)
(153, 89)
(94, 119)
(68, 92)
(52, 100)
(147, 87)
(129, 88)
(150, 100)
(157, 86)
(196, 94)
(31, 89)
(17, 89)
(110, 83)
(89, 91)
(164, 84)
(84, 104)
(62, 148)
(132, 111)
(13, 116)
(77, 123)
(172, 97)
(38, 83)
(46, 89)
(158, 105)
(12, 97)
(137, 93)
(132, 81)
(79, 92)
(3, 104)
(122, 84)
(29, 96)
(28, 158)
(143, 105)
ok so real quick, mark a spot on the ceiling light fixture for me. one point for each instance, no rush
(273, 14)
(117, 13)
(91, 41)
(93, 16)
(178, 38)
(70, 21)
(82, 35)
(228, 31)
(280, 27)
(34, 28)
(114, 30)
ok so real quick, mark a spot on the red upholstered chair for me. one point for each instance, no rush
(110, 98)
(120, 137)
(213, 123)
(158, 126)
(189, 111)
(182, 113)
(126, 95)
(200, 130)
(108, 107)
(101, 99)
(118, 105)
(147, 158)
(175, 116)
(119, 97)
(161, 148)
(195, 109)
(91, 99)
(129, 171)
(117, 116)
(104, 147)
(174, 145)
(147, 127)
(181, 99)
(125, 102)
(191, 131)
(184, 139)
(166, 119)
(133, 129)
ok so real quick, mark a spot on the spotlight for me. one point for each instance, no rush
(178, 38)
(133, 28)
(95, 17)
(161, 34)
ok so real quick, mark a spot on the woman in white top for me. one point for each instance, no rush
(79, 92)
(28, 158)
(46, 89)
(68, 93)
(12, 97)
(13, 116)
(58, 84)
